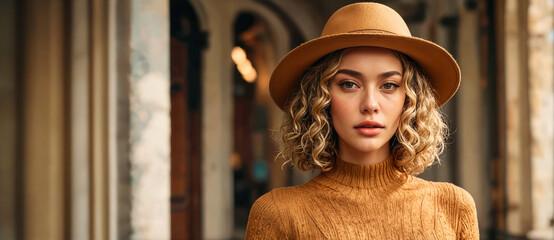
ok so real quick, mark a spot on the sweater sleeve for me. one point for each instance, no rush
(264, 221)
(467, 226)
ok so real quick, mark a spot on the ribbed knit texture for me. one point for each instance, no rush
(365, 202)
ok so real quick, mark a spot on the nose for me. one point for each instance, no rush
(369, 102)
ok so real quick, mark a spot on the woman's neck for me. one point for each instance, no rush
(355, 156)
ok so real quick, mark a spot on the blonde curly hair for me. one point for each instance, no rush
(310, 141)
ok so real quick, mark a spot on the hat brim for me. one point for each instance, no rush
(438, 64)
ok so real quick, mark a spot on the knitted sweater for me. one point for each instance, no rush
(364, 202)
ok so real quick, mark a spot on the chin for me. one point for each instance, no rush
(363, 145)
(367, 148)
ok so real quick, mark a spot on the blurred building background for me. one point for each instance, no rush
(149, 119)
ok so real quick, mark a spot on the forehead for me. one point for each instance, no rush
(370, 58)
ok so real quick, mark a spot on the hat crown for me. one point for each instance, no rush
(366, 17)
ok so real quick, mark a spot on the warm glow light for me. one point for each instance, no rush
(243, 64)
(250, 76)
(245, 67)
(238, 55)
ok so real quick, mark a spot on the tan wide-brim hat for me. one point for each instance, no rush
(366, 24)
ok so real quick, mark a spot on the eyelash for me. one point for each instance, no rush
(343, 84)
(393, 85)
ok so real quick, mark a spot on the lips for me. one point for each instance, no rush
(369, 128)
(369, 124)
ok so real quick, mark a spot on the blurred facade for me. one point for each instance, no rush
(151, 119)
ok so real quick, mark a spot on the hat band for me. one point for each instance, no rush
(373, 31)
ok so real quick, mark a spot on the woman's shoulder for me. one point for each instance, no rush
(458, 193)
(455, 202)
(278, 196)
(270, 214)
(448, 193)
(282, 201)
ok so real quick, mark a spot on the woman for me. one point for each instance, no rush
(362, 104)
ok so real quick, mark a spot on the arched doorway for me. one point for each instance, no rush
(187, 41)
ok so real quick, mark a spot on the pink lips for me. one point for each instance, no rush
(369, 128)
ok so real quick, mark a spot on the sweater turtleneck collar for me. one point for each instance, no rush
(383, 175)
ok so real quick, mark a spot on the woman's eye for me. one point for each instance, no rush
(348, 85)
(389, 86)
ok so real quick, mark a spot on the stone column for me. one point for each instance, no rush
(149, 103)
(516, 118)
(541, 111)
(470, 128)
(80, 138)
(217, 122)
(43, 123)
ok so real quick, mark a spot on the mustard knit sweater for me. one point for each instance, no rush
(364, 202)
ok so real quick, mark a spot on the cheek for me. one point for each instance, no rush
(397, 102)
(394, 106)
(398, 110)
(400, 106)
(339, 109)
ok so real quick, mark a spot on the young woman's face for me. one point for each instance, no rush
(367, 99)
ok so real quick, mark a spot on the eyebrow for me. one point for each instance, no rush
(357, 74)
